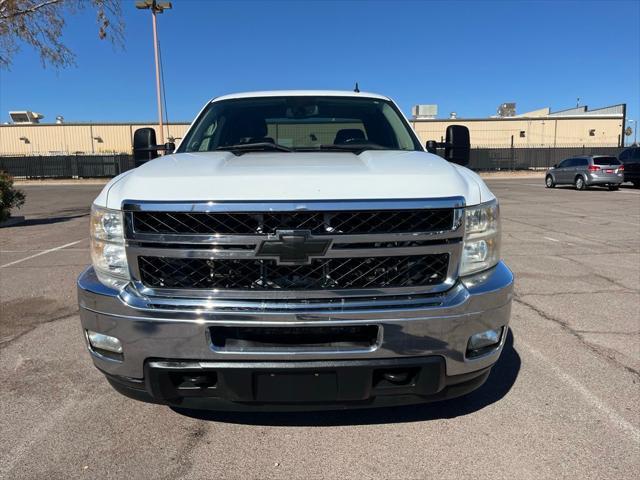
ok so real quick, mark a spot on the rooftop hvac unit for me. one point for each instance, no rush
(424, 111)
(25, 117)
(507, 109)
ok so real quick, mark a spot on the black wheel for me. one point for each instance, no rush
(549, 182)
(614, 187)
(579, 183)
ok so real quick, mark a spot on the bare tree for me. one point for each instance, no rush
(39, 23)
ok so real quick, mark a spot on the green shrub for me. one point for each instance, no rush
(9, 196)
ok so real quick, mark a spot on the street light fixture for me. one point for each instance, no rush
(156, 7)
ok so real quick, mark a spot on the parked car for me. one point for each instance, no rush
(630, 158)
(583, 172)
(299, 250)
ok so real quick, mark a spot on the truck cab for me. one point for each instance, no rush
(298, 250)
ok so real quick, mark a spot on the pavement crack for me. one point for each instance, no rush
(608, 332)
(595, 274)
(575, 333)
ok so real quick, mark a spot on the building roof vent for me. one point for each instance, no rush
(25, 117)
(424, 112)
(507, 109)
(453, 115)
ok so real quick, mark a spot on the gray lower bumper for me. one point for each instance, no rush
(605, 179)
(439, 328)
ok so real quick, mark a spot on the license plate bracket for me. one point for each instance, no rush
(295, 387)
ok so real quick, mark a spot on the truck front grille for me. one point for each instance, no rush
(322, 222)
(321, 274)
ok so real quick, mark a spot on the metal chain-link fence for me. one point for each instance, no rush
(107, 166)
(531, 158)
(66, 166)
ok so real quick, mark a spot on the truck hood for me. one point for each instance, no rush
(266, 176)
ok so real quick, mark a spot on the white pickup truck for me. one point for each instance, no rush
(299, 250)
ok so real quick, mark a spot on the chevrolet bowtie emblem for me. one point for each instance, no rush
(293, 247)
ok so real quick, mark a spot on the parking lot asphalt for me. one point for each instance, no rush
(563, 401)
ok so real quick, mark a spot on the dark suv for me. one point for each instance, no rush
(630, 158)
(587, 171)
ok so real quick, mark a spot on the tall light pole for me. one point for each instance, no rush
(156, 7)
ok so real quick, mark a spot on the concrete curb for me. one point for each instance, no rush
(497, 176)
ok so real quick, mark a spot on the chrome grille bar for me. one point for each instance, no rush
(372, 245)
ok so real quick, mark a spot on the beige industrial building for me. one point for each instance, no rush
(75, 138)
(541, 128)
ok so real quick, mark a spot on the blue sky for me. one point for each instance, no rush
(466, 57)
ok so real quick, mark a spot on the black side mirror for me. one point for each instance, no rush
(144, 146)
(432, 146)
(555, 165)
(457, 145)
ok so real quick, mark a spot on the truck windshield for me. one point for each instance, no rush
(300, 124)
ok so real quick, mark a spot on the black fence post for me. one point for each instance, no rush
(512, 155)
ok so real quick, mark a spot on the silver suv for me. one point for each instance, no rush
(584, 172)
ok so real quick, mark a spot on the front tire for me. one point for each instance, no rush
(614, 187)
(549, 182)
(579, 183)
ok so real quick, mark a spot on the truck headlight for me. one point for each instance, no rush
(481, 248)
(108, 253)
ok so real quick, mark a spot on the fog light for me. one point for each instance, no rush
(100, 341)
(484, 341)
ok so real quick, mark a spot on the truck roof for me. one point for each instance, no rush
(300, 93)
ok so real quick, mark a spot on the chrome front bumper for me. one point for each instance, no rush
(437, 326)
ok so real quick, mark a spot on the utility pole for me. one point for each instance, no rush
(156, 7)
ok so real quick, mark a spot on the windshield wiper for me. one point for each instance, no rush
(241, 148)
(356, 148)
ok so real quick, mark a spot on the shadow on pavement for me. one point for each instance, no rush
(590, 188)
(502, 378)
(48, 220)
(60, 216)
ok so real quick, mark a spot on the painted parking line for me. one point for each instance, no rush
(40, 253)
(28, 251)
(590, 216)
(611, 415)
(558, 241)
